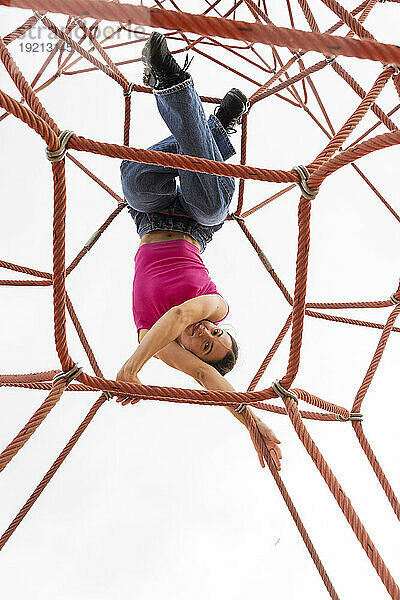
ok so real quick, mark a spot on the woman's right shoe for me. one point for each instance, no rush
(232, 108)
(161, 69)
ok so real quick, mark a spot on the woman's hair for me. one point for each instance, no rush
(226, 364)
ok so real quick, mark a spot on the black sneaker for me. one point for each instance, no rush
(232, 108)
(161, 69)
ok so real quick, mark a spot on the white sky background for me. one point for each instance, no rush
(161, 500)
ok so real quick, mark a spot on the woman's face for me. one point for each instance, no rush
(208, 341)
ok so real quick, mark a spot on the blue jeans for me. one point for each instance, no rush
(199, 204)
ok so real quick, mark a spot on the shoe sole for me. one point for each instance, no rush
(242, 101)
(239, 94)
(153, 44)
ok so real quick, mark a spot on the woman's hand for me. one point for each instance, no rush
(271, 441)
(125, 374)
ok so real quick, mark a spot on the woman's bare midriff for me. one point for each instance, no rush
(164, 236)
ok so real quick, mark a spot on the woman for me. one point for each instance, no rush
(176, 306)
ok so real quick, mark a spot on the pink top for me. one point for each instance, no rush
(167, 274)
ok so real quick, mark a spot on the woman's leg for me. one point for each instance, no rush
(148, 188)
(206, 197)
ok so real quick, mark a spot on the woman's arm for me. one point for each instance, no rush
(179, 358)
(212, 380)
(209, 378)
(170, 326)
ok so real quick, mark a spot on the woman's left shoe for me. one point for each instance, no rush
(161, 69)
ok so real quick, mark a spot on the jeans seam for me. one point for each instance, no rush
(224, 133)
(224, 186)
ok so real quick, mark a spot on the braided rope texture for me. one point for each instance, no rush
(332, 157)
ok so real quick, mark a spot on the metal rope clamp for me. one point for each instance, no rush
(237, 217)
(68, 376)
(394, 299)
(282, 392)
(351, 417)
(57, 155)
(128, 92)
(395, 68)
(304, 174)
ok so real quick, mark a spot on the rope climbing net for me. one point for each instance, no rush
(199, 33)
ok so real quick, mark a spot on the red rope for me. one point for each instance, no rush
(323, 165)
(37, 419)
(341, 498)
(214, 26)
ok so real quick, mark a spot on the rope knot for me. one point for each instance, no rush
(283, 392)
(304, 174)
(59, 153)
(68, 376)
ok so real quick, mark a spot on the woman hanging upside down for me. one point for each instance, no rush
(176, 306)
